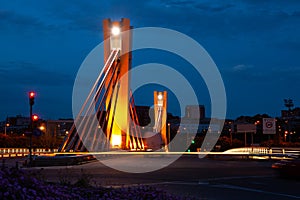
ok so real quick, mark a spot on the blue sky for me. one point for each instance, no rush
(255, 44)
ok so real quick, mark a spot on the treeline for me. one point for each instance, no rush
(17, 141)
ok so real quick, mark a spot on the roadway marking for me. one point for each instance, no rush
(201, 182)
(206, 182)
(254, 190)
(233, 178)
(138, 184)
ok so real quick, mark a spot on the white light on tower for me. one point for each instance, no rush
(160, 97)
(115, 31)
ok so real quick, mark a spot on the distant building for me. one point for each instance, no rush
(58, 128)
(143, 115)
(17, 124)
(291, 124)
(194, 111)
(293, 113)
(198, 128)
(18, 121)
(194, 121)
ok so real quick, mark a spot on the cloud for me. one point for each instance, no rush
(208, 18)
(248, 75)
(178, 3)
(10, 20)
(286, 75)
(26, 73)
(213, 7)
(241, 67)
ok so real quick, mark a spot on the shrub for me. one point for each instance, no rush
(18, 184)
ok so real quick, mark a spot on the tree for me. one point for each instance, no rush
(288, 103)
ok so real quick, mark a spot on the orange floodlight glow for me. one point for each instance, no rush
(116, 140)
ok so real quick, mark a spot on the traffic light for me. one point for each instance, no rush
(193, 141)
(31, 98)
(35, 118)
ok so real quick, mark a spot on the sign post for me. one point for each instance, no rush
(269, 126)
(246, 128)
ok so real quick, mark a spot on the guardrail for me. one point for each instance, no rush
(248, 152)
(265, 151)
(22, 152)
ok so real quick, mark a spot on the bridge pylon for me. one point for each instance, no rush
(107, 119)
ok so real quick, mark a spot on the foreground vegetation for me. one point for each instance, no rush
(19, 184)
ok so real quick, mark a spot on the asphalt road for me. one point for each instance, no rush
(190, 176)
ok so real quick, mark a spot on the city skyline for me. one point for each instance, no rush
(254, 44)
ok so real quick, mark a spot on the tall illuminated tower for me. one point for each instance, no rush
(118, 37)
(160, 115)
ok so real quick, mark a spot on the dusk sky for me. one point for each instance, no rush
(254, 43)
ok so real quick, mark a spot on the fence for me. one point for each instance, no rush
(265, 151)
(22, 152)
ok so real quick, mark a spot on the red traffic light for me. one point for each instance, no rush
(31, 98)
(35, 118)
(31, 94)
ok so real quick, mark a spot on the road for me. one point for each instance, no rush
(191, 176)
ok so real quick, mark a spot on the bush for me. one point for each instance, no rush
(224, 142)
(17, 184)
(236, 143)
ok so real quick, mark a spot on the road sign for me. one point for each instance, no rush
(246, 128)
(269, 126)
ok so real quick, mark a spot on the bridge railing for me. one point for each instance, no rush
(244, 151)
(22, 152)
(263, 151)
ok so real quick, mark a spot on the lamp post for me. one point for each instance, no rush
(256, 125)
(231, 131)
(285, 134)
(5, 127)
(169, 135)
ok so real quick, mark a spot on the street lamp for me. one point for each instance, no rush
(252, 133)
(5, 127)
(42, 128)
(169, 135)
(285, 134)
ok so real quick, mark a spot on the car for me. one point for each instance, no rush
(288, 168)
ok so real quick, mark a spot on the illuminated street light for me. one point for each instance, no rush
(6, 125)
(169, 135)
(115, 31)
(42, 128)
